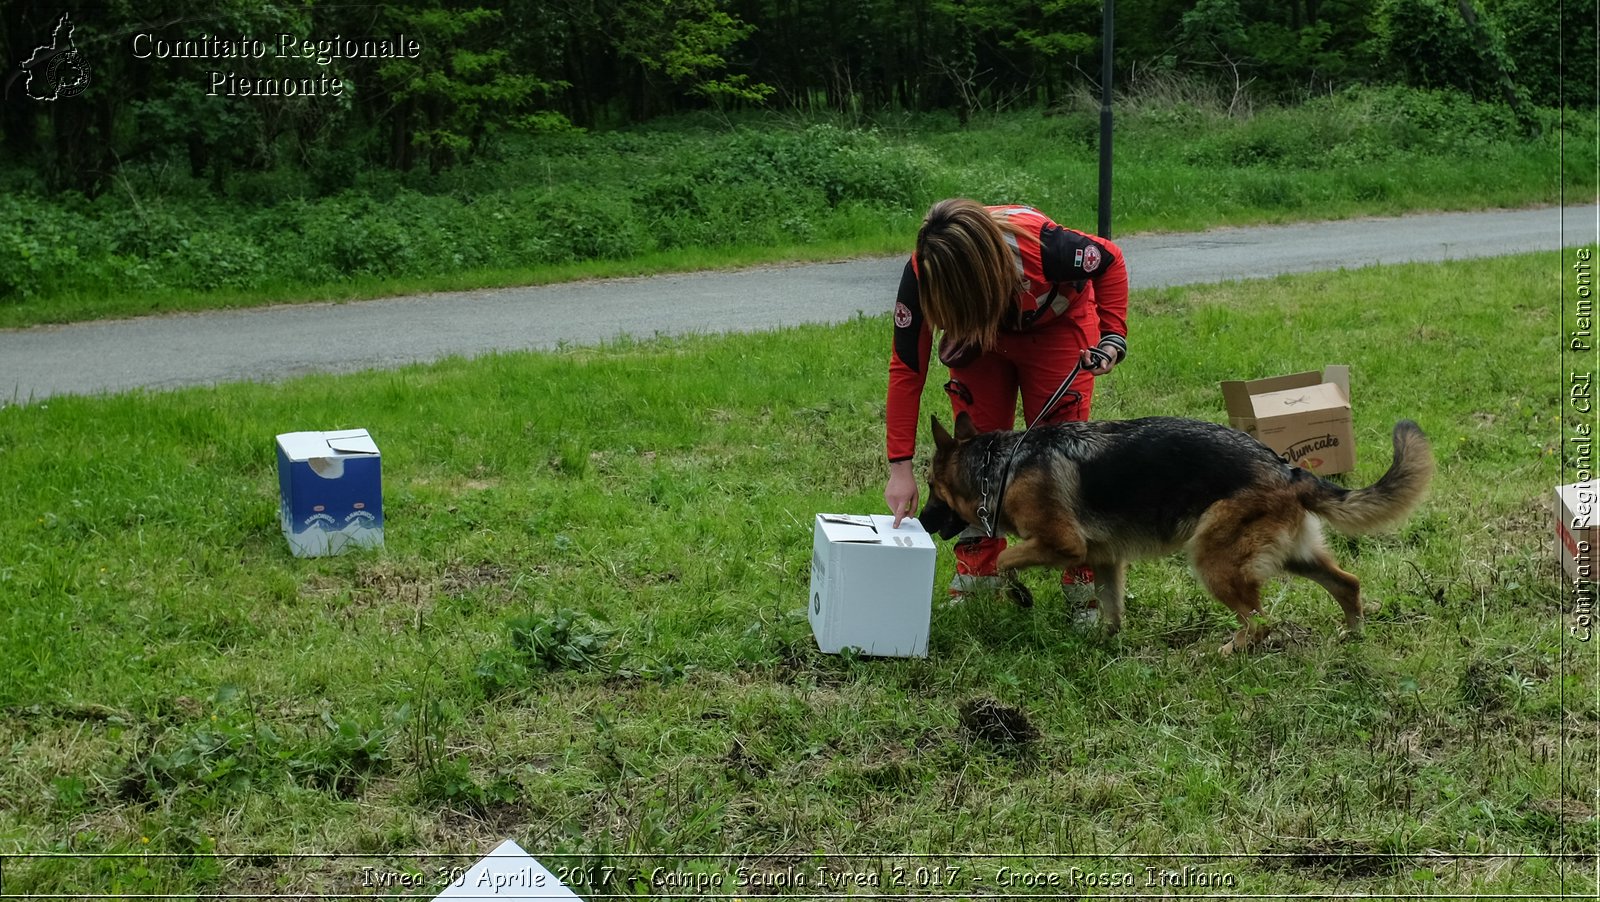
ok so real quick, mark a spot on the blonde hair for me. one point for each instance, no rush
(966, 271)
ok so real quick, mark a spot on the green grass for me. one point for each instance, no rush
(586, 631)
(700, 193)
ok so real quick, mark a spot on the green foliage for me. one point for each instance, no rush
(1432, 45)
(38, 247)
(482, 74)
(687, 40)
(238, 751)
(1361, 126)
(753, 185)
(1295, 47)
(540, 644)
(452, 783)
(1547, 44)
(563, 640)
(462, 89)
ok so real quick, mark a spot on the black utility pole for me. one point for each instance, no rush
(1108, 31)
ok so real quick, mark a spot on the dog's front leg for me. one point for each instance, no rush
(1032, 552)
(1015, 590)
(1110, 585)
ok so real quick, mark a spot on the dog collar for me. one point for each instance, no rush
(983, 499)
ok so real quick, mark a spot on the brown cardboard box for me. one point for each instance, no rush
(1304, 417)
(1578, 529)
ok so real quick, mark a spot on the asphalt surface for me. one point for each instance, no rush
(274, 343)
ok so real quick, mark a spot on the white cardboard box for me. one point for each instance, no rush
(509, 874)
(871, 585)
(1578, 529)
(330, 491)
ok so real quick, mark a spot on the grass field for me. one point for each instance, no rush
(700, 192)
(587, 632)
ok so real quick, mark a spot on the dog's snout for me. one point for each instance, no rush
(940, 519)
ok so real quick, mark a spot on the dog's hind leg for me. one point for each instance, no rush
(1242, 594)
(1320, 568)
(1238, 544)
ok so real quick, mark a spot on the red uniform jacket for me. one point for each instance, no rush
(1061, 269)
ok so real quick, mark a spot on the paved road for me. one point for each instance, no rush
(277, 342)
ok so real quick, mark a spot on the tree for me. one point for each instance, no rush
(683, 41)
(461, 88)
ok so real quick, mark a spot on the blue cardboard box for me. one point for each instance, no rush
(330, 491)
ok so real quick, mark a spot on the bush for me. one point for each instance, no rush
(1361, 125)
(38, 248)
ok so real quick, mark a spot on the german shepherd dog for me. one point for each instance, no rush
(1100, 494)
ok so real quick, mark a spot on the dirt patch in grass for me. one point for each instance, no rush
(1194, 628)
(1345, 858)
(742, 764)
(990, 721)
(1570, 811)
(1285, 635)
(461, 578)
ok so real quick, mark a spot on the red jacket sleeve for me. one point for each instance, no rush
(1111, 294)
(1068, 256)
(908, 369)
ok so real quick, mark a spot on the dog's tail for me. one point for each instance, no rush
(1385, 502)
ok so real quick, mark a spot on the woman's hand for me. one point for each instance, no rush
(1098, 361)
(901, 493)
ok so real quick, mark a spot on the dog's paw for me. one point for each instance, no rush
(1019, 593)
(1246, 637)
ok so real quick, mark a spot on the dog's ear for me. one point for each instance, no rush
(941, 438)
(964, 427)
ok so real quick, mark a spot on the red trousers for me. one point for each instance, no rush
(1034, 364)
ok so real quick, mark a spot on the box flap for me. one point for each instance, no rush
(1307, 399)
(354, 441)
(874, 529)
(1237, 393)
(298, 446)
(1338, 374)
(909, 535)
(848, 528)
(304, 445)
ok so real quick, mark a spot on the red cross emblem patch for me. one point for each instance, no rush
(1088, 259)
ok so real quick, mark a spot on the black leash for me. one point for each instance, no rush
(991, 524)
